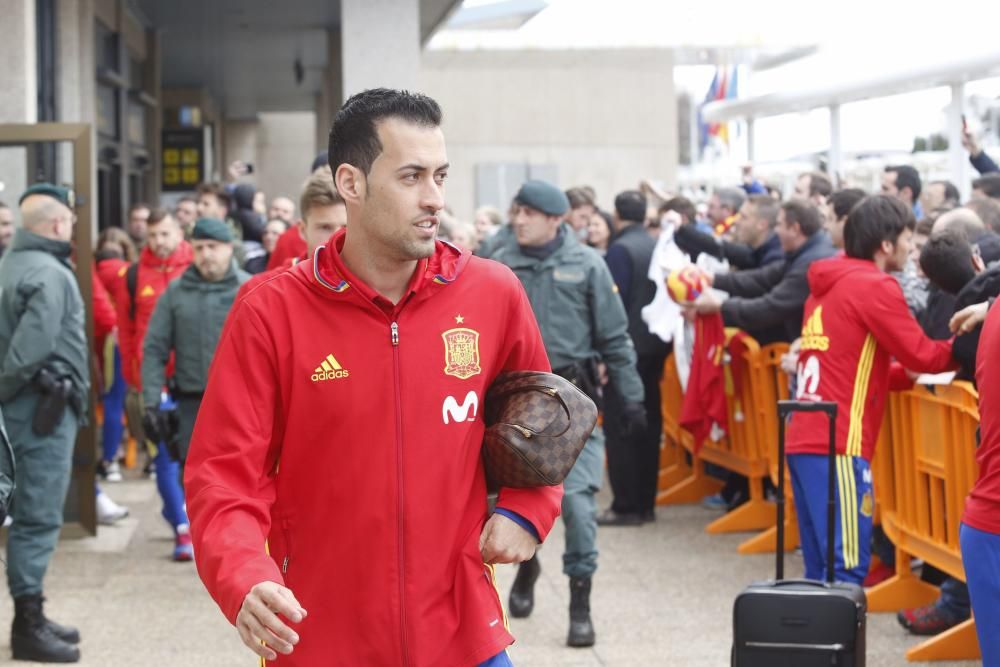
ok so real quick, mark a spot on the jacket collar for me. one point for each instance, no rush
(25, 240)
(812, 242)
(191, 278)
(329, 273)
(570, 248)
(182, 256)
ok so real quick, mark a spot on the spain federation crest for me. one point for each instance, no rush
(461, 353)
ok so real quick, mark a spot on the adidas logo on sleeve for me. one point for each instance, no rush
(329, 369)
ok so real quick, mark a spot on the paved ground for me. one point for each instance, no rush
(663, 596)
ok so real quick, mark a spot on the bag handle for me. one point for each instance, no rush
(551, 391)
(786, 408)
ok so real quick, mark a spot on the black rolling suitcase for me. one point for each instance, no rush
(800, 622)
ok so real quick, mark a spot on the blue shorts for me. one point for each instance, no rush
(981, 559)
(854, 503)
(499, 660)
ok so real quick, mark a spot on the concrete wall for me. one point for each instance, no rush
(281, 146)
(286, 146)
(604, 118)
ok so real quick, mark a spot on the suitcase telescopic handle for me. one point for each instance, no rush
(786, 408)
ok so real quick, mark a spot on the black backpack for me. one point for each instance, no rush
(132, 283)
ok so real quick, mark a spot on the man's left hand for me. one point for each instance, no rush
(707, 303)
(503, 541)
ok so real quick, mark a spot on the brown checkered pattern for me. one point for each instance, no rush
(536, 427)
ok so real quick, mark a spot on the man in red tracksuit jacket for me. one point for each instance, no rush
(165, 257)
(334, 481)
(980, 530)
(855, 321)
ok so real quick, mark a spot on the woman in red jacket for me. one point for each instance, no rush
(115, 251)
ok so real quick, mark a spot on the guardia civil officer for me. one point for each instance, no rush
(187, 322)
(583, 322)
(44, 381)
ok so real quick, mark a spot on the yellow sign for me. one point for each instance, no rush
(171, 175)
(171, 156)
(190, 175)
(190, 156)
(461, 353)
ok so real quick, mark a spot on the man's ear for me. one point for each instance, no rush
(886, 247)
(350, 183)
(978, 265)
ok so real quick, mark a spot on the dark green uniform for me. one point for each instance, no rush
(187, 321)
(581, 317)
(41, 326)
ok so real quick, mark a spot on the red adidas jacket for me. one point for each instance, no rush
(153, 277)
(982, 507)
(854, 322)
(346, 432)
(290, 245)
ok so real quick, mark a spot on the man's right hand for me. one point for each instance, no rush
(258, 623)
(152, 426)
(970, 143)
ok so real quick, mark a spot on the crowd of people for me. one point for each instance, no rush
(230, 334)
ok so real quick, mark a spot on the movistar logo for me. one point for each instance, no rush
(330, 369)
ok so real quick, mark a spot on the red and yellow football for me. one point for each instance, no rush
(686, 284)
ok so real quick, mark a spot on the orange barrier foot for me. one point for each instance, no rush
(131, 453)
(766, 541)
(900, 591)
(672, 475)
(754, 514)
(689, 490)
(958, 643)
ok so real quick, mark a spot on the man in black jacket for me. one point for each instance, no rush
(754, 242)
(634, 455)
(767, 302)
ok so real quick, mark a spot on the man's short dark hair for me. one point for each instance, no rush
(631, 206)
(765, 207)
(138, 206)
(950, 191)
(874, 219)
(988, 211)
(819, 184)
(804, 214)
(156, 216)
(946, 260)
(354, 135)
(906, 177)
(580, 197)
(732, 198)
(988, 184)
(844, 200)
(682, 205)
(186, 198)
(217, 191)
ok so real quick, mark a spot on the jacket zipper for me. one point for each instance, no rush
(288, 546)
(394, 339)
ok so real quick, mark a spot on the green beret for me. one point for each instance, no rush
(544, 197)
(211, 228)
(62, 195)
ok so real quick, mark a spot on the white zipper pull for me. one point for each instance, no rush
(395, 333)
(284, 566)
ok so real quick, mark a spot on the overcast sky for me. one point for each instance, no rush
(856, 39)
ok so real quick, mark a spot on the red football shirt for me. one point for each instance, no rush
(982, 507)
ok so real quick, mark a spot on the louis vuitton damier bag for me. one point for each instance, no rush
(536, 426)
